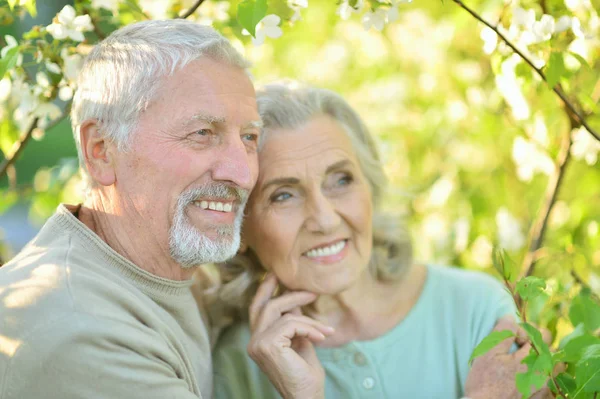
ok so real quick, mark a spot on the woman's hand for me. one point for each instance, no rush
(282, 341)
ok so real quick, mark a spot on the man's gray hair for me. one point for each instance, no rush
(122, 74)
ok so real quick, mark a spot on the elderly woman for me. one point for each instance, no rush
(340, 277)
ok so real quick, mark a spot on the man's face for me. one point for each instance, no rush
(193, 162)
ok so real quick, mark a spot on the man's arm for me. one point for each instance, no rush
(493, 374)
(81, 356)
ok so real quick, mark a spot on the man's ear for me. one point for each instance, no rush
(98, 153)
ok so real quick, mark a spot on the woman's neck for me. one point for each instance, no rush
(369, 308)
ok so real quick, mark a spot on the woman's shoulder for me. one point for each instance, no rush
(462, 289)
(456, 278)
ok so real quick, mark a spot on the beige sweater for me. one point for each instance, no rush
(77, 320)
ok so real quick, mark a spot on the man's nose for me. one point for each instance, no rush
(235, 164)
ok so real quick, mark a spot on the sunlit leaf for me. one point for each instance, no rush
(9, 61)
(530, 287)
(555, 69)
(587, 374)
(585, 310)
(533, 379)
(490, 342)
(250, 13)
(31, 8)
(9, 134)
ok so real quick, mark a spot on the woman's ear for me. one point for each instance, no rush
(97, 153)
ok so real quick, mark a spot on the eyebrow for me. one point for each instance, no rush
(212, 119)
(293, 180)
(338, 165)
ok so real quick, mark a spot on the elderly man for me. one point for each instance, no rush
(98, 305)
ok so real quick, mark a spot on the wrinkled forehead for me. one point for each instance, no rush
(314, 145)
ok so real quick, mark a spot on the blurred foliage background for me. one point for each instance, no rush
(473, 142)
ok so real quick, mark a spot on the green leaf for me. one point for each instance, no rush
(532, 379)
(7, 200)
(566, 383)
(12, 4)
(250, 12)
(585, 310)
(9, 134)
(544, 363)
(530, 287)
(578, 331)
(31, 7)
(504, 265)
(490, 342)
(9, 61)
(574, 349)
(579, 58)
(555, 69)
(587, 373)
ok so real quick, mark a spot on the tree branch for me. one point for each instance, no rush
(557, 89)
(9, 160)
(191, 10)
(538, 229)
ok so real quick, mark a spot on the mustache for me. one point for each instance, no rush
(216, 191)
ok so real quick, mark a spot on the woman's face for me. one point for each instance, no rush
(310, 214)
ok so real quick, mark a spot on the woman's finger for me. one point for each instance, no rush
(263, 295)
(277, 307)
(281, 335)
(292, 318)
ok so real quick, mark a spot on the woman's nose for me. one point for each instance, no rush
(322, 215)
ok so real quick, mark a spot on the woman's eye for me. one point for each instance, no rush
(345, 180)
(280, 197)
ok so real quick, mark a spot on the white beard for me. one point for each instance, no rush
(191, 247)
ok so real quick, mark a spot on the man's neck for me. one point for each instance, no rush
(133, 239)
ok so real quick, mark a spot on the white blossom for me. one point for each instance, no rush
(530, 159)
(523, 19)
(68, 25)
(461, 234)
(345, 10)
(490, 40)
(509, 234)
(510, 88)
(297, 6)
(5, 89)
(375, 19)
(72, 64)
(111, 5)
(585, 146)
(52, 67)
(562, 24)
(481, 251)
(543, 29)
(267, 27)
(11, 43)
(156, 9)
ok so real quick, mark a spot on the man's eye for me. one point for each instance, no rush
(250, 137)
(203, 132)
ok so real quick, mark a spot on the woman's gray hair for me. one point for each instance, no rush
(122, 73)
(289, 106)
